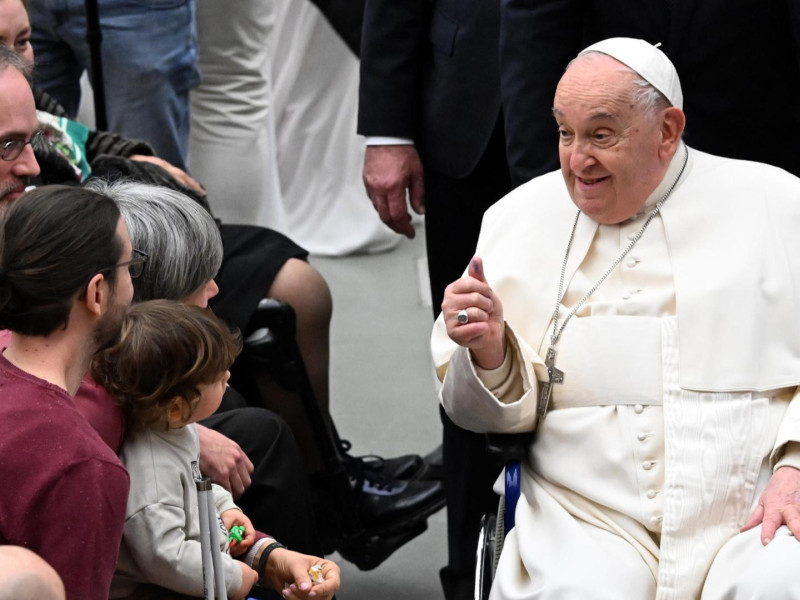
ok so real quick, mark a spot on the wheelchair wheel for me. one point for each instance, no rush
(484, 565)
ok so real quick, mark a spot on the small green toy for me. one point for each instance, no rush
(236, 534)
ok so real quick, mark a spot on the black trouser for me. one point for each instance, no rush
(277, 501)
(453, 213)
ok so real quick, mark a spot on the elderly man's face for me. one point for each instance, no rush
(17, 122)
(609, 151)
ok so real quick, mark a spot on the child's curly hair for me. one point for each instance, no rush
(164, 351)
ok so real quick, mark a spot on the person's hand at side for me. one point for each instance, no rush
(223, 461)
(179, 174)
(778, 505)
(287, 572)
(249, 579)
(484, 332)
(388, 172)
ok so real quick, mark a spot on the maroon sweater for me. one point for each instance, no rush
(63, 491)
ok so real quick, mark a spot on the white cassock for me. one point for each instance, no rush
(678, 400)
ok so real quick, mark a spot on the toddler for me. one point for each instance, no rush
(169, 369)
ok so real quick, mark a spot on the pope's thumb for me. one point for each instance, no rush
(475, 269)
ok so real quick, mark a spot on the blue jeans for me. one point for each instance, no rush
(149, 55)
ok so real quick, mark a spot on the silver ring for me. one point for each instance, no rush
(462, 316)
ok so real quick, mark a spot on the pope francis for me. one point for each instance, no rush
(644, 320)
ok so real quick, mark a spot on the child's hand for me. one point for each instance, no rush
(249, 579)
(232, 517)
(287, 571)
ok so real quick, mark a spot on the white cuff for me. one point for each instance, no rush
(377, 140)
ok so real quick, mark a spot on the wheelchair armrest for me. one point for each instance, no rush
(510, 446)
(513, 448)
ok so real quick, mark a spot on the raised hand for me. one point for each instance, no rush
(481, 327)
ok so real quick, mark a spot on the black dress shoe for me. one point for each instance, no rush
(385, 504)
(407, 466)
(371, 549)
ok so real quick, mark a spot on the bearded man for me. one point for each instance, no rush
(66, 263)
(651, 338)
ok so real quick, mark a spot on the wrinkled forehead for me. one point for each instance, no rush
(17, 107)
(595, 84)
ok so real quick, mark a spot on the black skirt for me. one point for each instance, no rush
(251, 259)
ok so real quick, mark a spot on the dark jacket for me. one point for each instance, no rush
(738, 61)
(429, 72)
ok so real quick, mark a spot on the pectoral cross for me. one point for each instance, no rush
(554, 375)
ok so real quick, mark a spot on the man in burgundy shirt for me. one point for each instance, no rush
(65, 257)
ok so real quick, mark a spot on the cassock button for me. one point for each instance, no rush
(632, 262)
(626, 297)
(642, 436)
(655, 521)
(647, 465)
(638, 409)
(651, 494)
(632, 235)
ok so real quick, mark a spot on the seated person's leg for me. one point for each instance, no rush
(744, 568)
(278, 500)
(262, 263)
(552, 555)
(303, 288)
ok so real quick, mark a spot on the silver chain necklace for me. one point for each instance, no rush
(555, 375)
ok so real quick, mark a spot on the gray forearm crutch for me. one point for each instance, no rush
(213, 575)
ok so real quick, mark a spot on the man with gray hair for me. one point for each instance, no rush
(651, 339)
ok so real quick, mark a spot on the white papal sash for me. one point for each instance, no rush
(715, 446)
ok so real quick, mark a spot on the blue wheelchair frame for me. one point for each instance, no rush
(494, 528)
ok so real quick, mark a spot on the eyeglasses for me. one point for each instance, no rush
(13, 148)
(136, 264)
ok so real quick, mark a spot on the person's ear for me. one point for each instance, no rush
(673, 122)
(175, 413)
(97, 294)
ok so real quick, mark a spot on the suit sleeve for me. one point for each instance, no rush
(392, 43)
(537, 40)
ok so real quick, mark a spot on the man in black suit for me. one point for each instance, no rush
(430, 88)
(739, 62)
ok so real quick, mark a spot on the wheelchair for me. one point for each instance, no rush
(270, 346)
(494, 527)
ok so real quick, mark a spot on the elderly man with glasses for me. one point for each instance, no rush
(18, 129)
